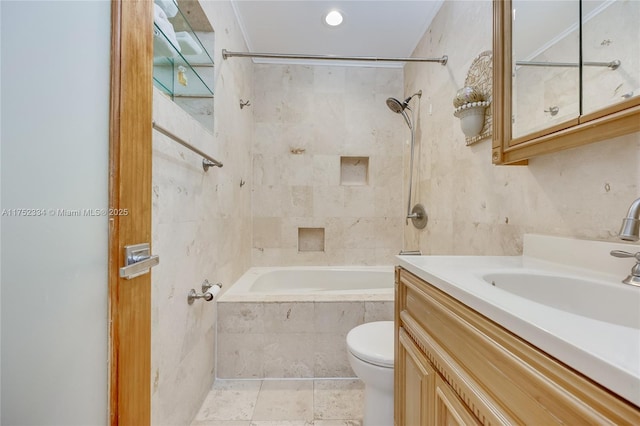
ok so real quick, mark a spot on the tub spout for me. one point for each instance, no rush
(410, 253)
(630, 229)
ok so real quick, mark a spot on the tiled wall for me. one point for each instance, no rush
(293, 339)
(201, 228)
(477, 208)
(310, 122)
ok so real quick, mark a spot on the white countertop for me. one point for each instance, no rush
(607, 353)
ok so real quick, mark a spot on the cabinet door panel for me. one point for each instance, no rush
(416, 385)
(449, 409)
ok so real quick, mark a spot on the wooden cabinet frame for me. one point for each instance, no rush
(616, 120)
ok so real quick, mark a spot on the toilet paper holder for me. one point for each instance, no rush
(209, 291)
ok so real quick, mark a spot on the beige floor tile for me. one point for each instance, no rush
(230, 400)
(337, 423)
(338, 399)
(285, 400)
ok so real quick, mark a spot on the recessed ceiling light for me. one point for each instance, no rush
(333, 18)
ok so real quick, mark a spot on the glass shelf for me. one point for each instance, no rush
(181, 70)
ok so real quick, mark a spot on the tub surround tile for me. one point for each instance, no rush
(358, 201)
(299, 339)
(377, 296)
(326, 170)
(364, 256)
(328, 201)
(288, 355)
(378, 311)
(241, 318)
(289, 317)
(267, 232)
(359, 233)
(388, 234)
(337, 317)
(285, 400)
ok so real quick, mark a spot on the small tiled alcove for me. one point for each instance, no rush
(310, 239)
(354, 171)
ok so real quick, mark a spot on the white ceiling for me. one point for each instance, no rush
(380, 28)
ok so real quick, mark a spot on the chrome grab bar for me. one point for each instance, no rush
(207, 160)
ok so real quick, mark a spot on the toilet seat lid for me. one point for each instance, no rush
(373, 343)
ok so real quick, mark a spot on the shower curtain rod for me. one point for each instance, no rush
(227, 54)
(611, 65)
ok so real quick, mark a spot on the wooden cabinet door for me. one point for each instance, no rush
(449, 410)
(416, 385)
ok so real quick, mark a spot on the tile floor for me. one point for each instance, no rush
(320, 402)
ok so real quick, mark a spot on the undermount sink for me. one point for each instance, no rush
(614, 303)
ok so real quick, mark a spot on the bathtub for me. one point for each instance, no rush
(313, 283)
(291, 322)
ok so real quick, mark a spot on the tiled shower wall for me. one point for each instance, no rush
(327, 165)
(201, 228)
(480, 209)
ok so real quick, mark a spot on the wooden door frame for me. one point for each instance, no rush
(130, 152)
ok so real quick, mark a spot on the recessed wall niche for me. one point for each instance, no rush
(310, 239)
(354, 171)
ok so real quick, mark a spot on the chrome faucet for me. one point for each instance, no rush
(630, 231)
(634, 276)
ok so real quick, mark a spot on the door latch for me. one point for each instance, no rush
(138, 260)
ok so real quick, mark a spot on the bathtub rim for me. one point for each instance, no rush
(238, 291)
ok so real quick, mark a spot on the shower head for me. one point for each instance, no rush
(395, 105)
(399, 107)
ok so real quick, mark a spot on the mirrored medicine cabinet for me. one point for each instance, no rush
(566, 73)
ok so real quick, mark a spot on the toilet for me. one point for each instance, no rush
(370, 353)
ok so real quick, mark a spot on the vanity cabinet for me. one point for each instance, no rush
(455, 366)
